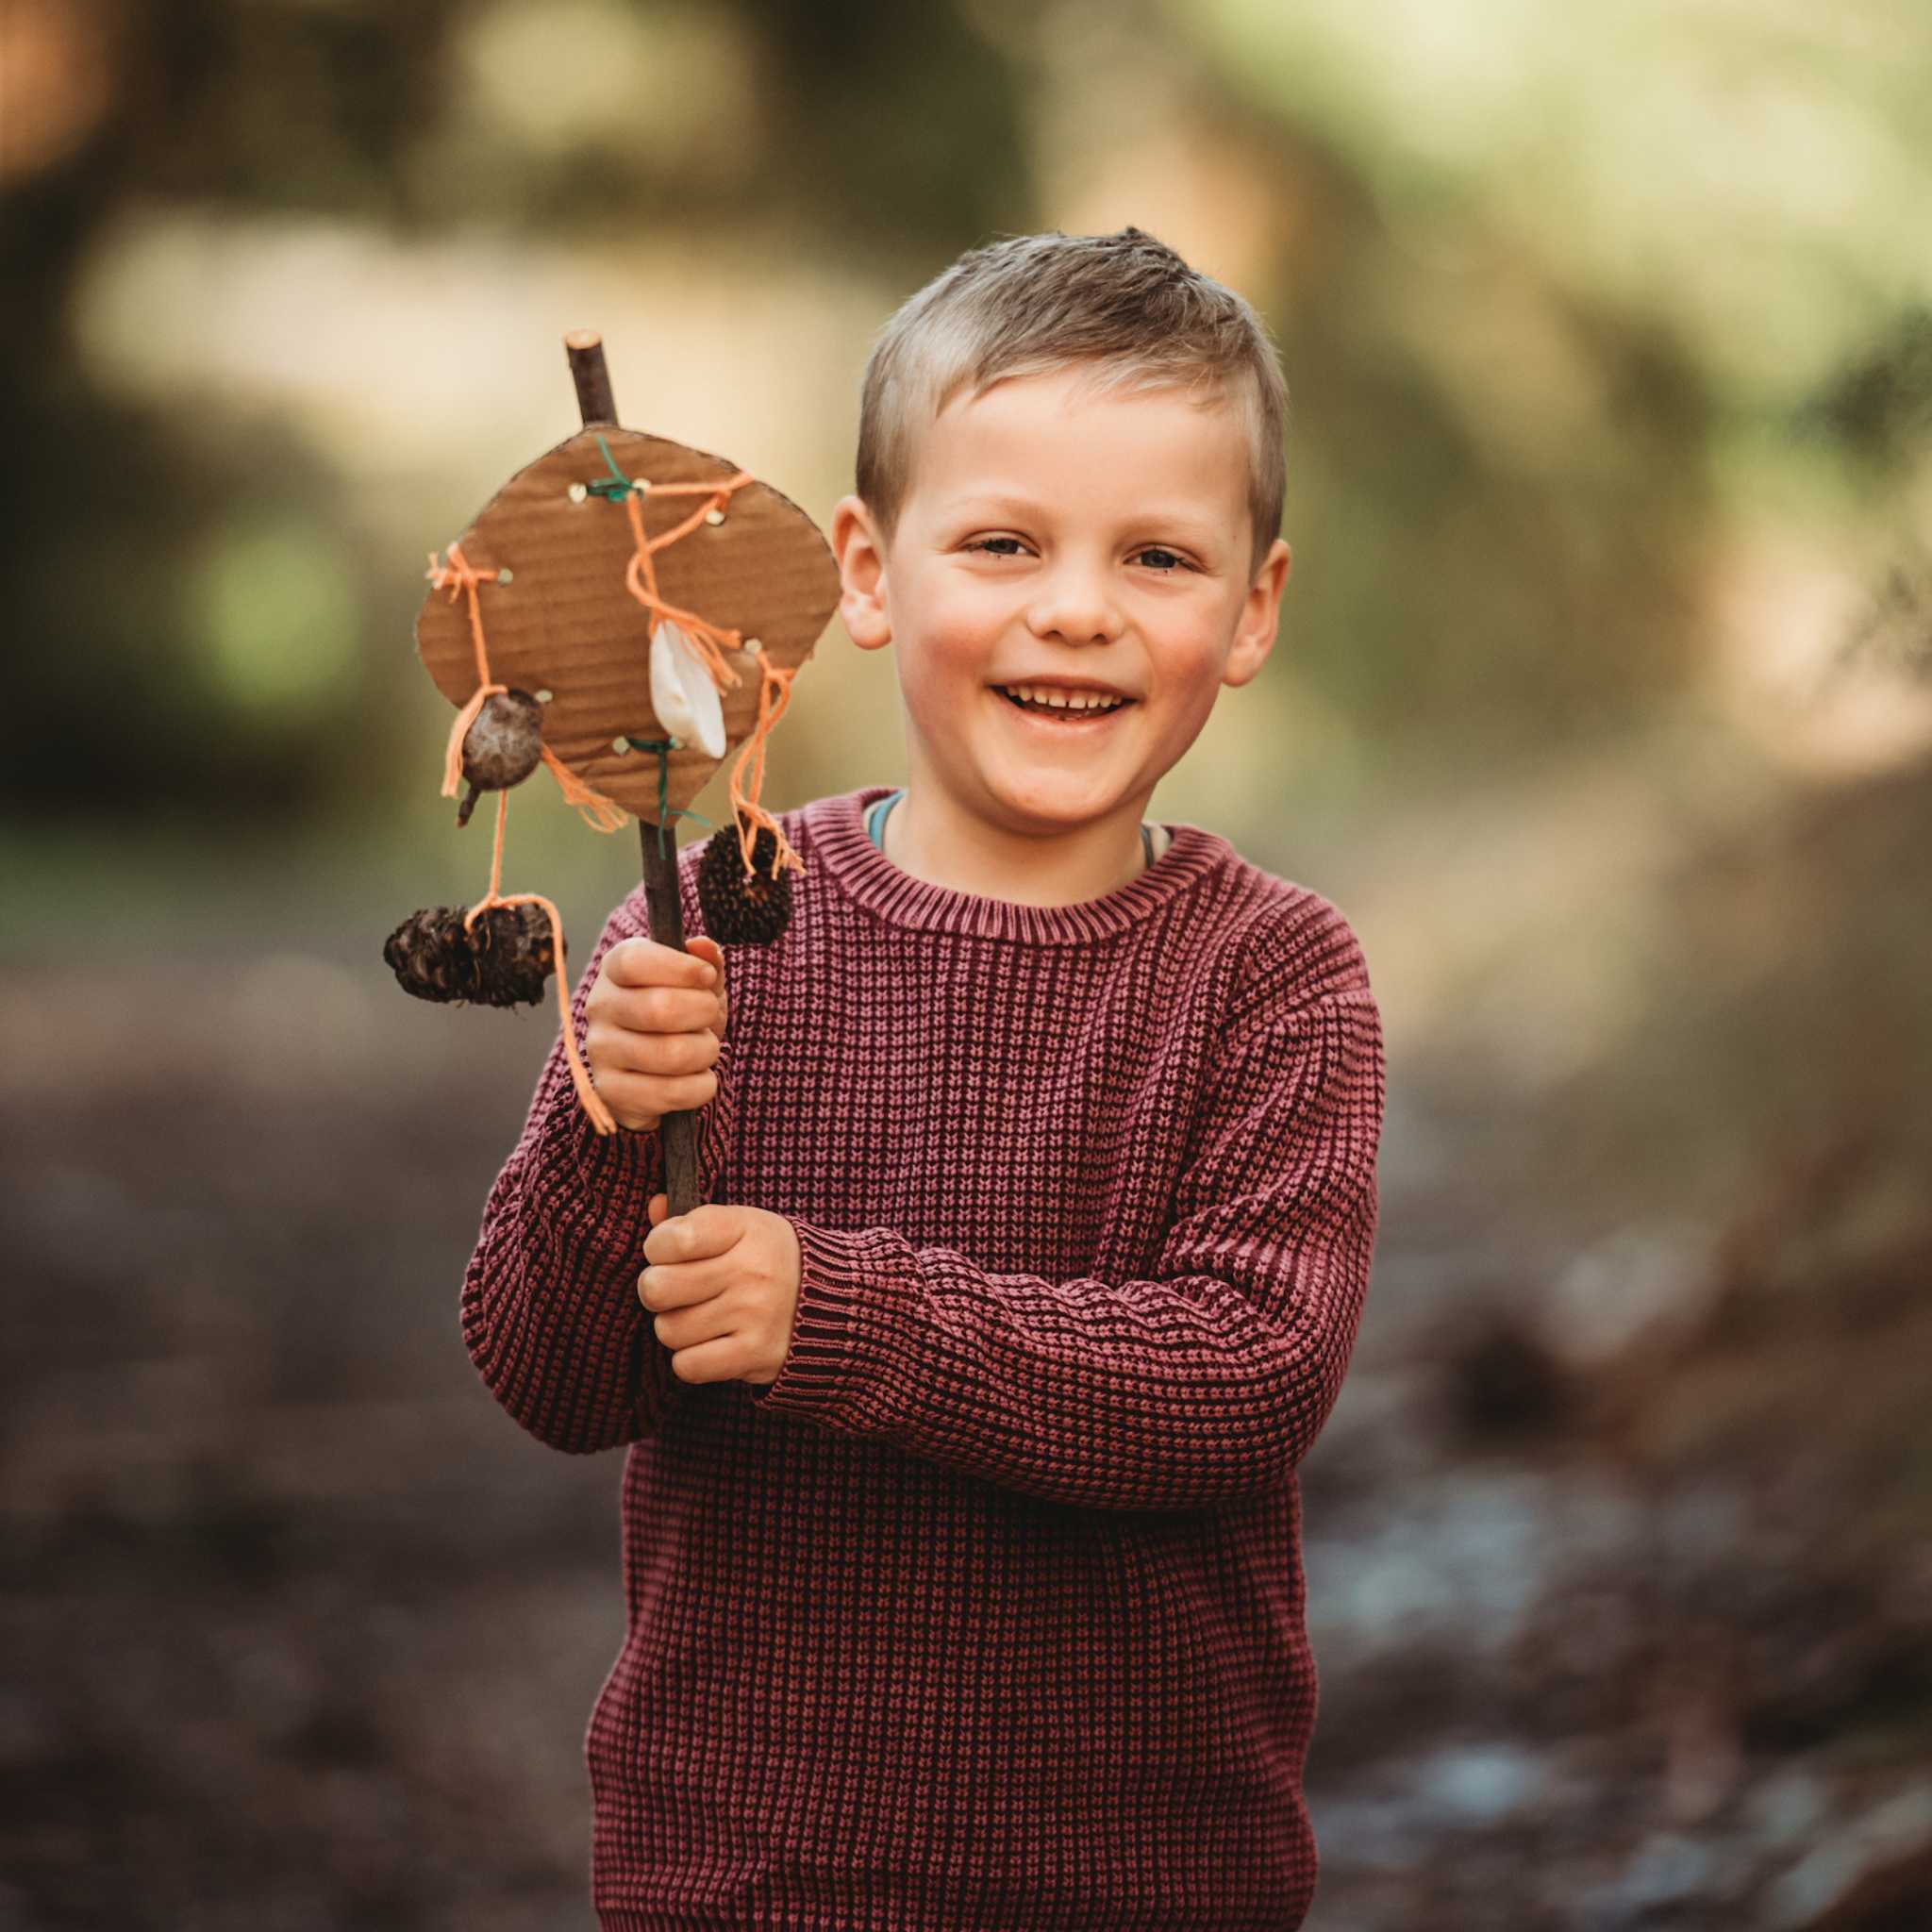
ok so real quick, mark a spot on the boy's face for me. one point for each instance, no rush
(1055, 535)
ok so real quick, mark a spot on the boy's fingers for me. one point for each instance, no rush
(644, 962)
(706, 1230)
(675, 1068)
(715, 954)
(656, 1010)
(659, 1207)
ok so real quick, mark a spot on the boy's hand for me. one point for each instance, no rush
(723, 1281)
(653, 1022)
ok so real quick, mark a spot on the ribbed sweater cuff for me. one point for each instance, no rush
(820, 1376)
(618, 1172)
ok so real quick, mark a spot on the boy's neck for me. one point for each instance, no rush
(932, 838)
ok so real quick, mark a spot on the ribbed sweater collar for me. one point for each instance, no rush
(857, 868)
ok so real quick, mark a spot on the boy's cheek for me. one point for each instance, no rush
(955, 621)
(956, 670)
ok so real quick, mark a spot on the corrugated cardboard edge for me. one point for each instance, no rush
(565, 623)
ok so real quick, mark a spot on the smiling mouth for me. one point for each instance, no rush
(1068, 716)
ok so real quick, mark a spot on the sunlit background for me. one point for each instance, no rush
(1603, 708)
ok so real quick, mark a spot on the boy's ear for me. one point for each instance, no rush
(1253, 633)
(861, 574)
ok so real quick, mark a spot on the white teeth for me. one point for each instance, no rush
(1062, 700)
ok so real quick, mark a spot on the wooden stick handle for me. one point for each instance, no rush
(677, 1132)
(588, 370)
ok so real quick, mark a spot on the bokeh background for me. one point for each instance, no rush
(1603, 708)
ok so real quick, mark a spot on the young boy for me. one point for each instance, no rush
(960, 1520)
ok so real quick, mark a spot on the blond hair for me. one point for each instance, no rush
(1034, 305)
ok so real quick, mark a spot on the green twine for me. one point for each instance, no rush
(613, 488)
(664, 747)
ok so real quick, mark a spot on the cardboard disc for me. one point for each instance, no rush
(566, 624)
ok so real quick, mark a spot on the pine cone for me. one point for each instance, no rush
(739, 910)
(503, 959)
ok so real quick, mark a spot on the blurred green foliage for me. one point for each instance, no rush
(1505, 273)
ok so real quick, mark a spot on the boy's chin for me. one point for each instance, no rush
(1034, 797)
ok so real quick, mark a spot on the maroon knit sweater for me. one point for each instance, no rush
(988, 1613)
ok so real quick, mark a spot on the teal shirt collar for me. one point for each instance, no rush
(875, 821)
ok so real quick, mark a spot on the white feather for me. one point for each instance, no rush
(682, 693)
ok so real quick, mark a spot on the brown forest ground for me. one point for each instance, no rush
(1619, 1575)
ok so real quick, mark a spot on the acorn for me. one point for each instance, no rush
(501, 960)
(502, 747)
(739, 910)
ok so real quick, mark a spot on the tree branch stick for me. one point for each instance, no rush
(677, 1131)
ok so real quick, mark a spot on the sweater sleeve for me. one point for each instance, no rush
(1206, 1382)
(550, 1312)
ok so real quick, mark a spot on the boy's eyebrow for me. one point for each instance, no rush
(1020, 506)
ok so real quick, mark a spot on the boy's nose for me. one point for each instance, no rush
(1073, 605)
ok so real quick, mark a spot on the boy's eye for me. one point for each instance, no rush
(1156, 556)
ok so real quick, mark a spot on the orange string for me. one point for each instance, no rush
(640, 579)
(600, 813)
(729, 484)
(458, 575)
(453, 755)
(774, 693)
(601, 1118)
(461, 578)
